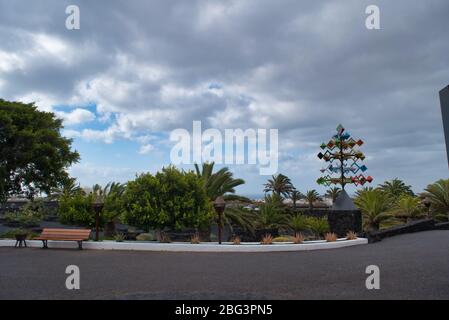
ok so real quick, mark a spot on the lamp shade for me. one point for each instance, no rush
(219, 203)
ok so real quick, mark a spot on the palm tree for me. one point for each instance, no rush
(376, 208)
(395, 188)
(299, 223)
(274, 199)
(220, 183)
(271, 217)
(362, 190)
(111, 195)
(98, 192)
(319, 226)
(68, 188)
(241, 217)
(438, 196)
(408, 207)
(333, 193)
(311, 197)
(280, 184)
(295, 196)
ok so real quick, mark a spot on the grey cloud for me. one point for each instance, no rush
(315, 57)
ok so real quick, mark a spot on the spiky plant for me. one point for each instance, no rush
(330, 237)
(195, 239)
(267, 239)
(298, 238)
(351, 235)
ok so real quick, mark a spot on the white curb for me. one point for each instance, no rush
(188, 247)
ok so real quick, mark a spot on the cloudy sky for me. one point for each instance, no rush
(136, 70)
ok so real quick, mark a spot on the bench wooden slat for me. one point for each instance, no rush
(77, 233)
(65, 231)
(61, 239)
(64, 235)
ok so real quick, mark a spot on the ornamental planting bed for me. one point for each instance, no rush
(188, 247)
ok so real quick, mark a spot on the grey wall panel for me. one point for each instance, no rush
(444, 100)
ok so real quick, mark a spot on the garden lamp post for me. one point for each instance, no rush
(219, 206)
(97, 205)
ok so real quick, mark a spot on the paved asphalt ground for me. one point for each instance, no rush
(412, 266)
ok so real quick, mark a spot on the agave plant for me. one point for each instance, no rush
(376, 208)
(438, 196)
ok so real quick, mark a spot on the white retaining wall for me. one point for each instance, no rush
(187, 247)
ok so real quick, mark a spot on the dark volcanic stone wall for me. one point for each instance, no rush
(341, 222)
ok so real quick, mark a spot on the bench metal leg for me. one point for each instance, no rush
(80, 245)
(20, 243)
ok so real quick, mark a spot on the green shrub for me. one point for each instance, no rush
(23, 218)
(29, 215)
(11, 234)
(171, 198)
(36, 206)
(76, 210)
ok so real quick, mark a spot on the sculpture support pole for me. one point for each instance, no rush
(342, 165)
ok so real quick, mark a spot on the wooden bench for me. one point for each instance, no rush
(77, 235)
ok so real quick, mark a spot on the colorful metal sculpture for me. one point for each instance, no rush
(343, 156)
